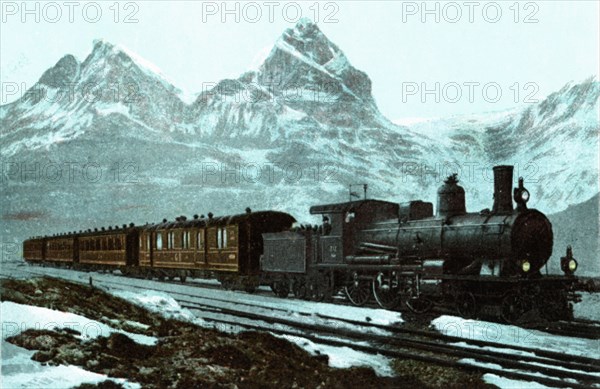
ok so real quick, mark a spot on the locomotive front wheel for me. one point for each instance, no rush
(359, 292)
(555, 306)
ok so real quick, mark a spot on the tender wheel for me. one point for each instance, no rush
(282, 288)
(466, 305)
(226, 283)
(358, 292)
(299, 289)
(513, 307)
(314, 291)
(385, 292)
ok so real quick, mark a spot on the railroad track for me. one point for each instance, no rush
(560, 381)
(580, 328)
(560, 370)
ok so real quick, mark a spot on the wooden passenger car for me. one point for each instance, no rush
(109, 249)
(172, 246)
(229, 245)
(34, 250)
(61, 249)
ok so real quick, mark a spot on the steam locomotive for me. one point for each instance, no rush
(489, 262)
(485, 262)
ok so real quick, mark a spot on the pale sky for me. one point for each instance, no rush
(387, 39)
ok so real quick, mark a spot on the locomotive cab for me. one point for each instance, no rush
(344, 220)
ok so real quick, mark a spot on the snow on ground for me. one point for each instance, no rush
(164, 302)
(18, 317)
(33, 375)
(289, 306)
(340, 357)
(516, 336)
(504, 382)
(19, 371)
(157, 302)
(319, 312)
(589, 307)
(344, 357)
(324, 313)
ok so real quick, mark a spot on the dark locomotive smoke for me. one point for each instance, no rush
(503, 177)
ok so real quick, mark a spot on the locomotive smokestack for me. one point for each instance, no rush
(503, 177)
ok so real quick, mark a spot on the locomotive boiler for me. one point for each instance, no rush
(502, 241)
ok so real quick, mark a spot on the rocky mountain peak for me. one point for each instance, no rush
(303, 55)
(307, 39)
(62, 74)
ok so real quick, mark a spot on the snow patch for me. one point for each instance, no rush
(503, 382)
(20, 371)
(589, 307)
(107, 109)
(516, 336)
(59, 377)
(344, 357)
(18, 317)
(160, 303)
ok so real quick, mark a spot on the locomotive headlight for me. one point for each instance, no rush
(568, 264)
(525, 266)
(521, 195)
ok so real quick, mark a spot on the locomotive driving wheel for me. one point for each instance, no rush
(419, 304)
(386, 291)
(359, 291)
(466, 305)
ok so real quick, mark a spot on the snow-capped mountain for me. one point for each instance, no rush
(553, 144)
(294, 132)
